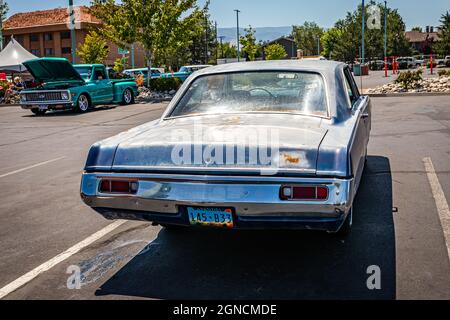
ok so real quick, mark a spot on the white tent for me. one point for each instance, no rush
(13, 55)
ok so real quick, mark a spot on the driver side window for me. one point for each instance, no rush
(99, 74)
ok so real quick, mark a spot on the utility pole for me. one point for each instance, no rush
(72, 31)
(1, 28)
(132, 56)
(221, 46)
(237, 36)
(206, 39)
(363, 30)
(318, 46)
(217, 44)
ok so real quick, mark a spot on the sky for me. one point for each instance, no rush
(276, 13)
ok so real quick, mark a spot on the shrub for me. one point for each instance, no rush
(165, 84)
(408, 78)
(140, 80)
(4, 85)
(444, 73)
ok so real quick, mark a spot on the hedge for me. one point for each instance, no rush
(165, 84)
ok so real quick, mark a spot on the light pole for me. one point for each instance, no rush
(363, 30)
(221, 46)
(72, 31)
(385, 38)
(237, 35)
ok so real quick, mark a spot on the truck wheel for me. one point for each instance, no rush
(347, 226)
(83, 104)
(127, 97)
(38, 112)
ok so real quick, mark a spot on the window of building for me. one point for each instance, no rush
(34, 37)
(48, 36)
(66, 50)
(48, 51)
(36, 52)
(65, 35)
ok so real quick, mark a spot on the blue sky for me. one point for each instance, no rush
(274, 13)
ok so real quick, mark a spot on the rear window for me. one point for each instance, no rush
(247, 92)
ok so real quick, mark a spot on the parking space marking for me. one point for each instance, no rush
(16, 284)
(441, 201)
(30, 167)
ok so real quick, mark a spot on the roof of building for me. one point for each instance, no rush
(278, 39)
(48, 17)
(417, 36)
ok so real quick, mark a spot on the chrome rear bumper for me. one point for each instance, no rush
(255, 200)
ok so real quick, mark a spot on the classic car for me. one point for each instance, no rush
(64, 86)
(252, 145)
(134, 73)
(185, 72)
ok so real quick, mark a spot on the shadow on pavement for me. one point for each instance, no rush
(69, 113)
(193, 264)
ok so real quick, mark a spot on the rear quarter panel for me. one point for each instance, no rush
(120, 87)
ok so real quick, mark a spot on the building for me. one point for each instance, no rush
(46, 33)
(422, 42)
(288, 44)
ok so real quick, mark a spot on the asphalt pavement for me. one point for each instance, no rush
(397, 224)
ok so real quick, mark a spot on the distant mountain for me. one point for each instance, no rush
(262, 34)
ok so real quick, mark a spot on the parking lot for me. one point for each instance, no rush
(397, 223)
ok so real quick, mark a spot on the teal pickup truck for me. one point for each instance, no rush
(63, 86)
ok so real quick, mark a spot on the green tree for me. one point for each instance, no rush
(120, 64)
(443, 46)
(226, 50)
(307, 37)
(94, 49)
(156, 24)
(3, 12)
(418, 29)
(249, 45)
(330, 42)
(275, 52)
(344, 40)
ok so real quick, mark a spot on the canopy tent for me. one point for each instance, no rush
(12, 57)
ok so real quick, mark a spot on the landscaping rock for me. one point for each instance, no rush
(438, 85)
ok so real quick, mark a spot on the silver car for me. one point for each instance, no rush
(253, 145)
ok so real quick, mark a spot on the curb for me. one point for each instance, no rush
(9, 105)
(408, 94)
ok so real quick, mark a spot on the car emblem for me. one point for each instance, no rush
(41, 96)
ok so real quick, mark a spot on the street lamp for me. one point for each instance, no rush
(385, 38)
(221, 45)
(237, 33)
(72, 31)
(363, 30)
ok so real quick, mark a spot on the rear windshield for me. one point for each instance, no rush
(85, 72)
(246, 92)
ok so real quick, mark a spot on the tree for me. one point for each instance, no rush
(275, 52)
(418, 29)
(330, 42)
(120, 64)
(94, 49)
(3, 11)
(157, 24)
(249, 45)
(307, 37)
(443, 46)
(226, 50)
(344, 39)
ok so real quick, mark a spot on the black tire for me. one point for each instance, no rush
(172, 228)
(346, 228)
(38, 112)
(83, 104)
(127, 97)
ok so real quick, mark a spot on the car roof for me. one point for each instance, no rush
(140, 69)
(321, 66)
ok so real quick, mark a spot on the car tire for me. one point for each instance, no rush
(172, 228)
(127, 97)
(346, 228)
(38, 112)
(83, 104)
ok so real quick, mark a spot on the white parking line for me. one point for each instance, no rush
(16, 284)
(30, 167)
(441, 202)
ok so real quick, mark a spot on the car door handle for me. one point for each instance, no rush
(365, 115)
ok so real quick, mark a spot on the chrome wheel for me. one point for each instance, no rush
(127, 97)
(83, 103)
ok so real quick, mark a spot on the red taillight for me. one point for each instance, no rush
(119, 186)
(304, 193)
